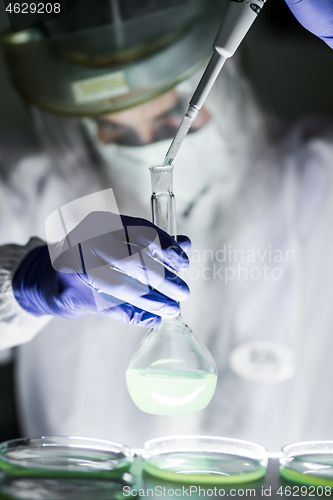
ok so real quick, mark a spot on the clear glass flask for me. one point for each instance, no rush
(171, 372)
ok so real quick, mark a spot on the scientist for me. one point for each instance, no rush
(256, 202)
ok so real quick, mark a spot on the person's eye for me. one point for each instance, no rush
(109, 132)
(176, 111)
(166, 130)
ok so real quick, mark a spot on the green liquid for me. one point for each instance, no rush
(204, 468)
(170, 392)
(312, 469)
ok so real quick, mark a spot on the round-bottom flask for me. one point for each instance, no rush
(171, 372)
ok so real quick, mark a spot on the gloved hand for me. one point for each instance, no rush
(316, 16)
(110, 265)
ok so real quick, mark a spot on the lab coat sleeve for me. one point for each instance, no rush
(30, 189)
(17, 326)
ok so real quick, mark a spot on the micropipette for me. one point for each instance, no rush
(236, 23)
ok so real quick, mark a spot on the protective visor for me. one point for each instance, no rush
(112, 67)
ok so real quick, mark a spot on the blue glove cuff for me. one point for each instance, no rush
(41, 290)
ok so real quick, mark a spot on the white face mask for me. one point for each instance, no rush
(201, 160)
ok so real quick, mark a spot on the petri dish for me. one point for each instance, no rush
(64, 454)
(64, 467)
(204, 460)
(308, 463)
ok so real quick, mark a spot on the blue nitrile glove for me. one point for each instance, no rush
(110, 265)
(316, 16)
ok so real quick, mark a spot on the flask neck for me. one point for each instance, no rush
(162, 199)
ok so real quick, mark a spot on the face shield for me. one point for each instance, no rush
(104, 56)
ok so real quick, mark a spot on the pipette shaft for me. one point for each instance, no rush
(238, 20)
(208, 78)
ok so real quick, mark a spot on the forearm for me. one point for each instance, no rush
(17, 326)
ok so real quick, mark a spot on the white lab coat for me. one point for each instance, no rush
(272, 192)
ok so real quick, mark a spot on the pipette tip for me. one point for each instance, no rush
(167, 161)
(189, 117)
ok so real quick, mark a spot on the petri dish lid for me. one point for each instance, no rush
(64, 455)
(308, 463)
(204, 459)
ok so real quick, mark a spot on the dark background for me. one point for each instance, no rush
(295, 70)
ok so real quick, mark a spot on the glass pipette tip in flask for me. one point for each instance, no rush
(171, 371)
